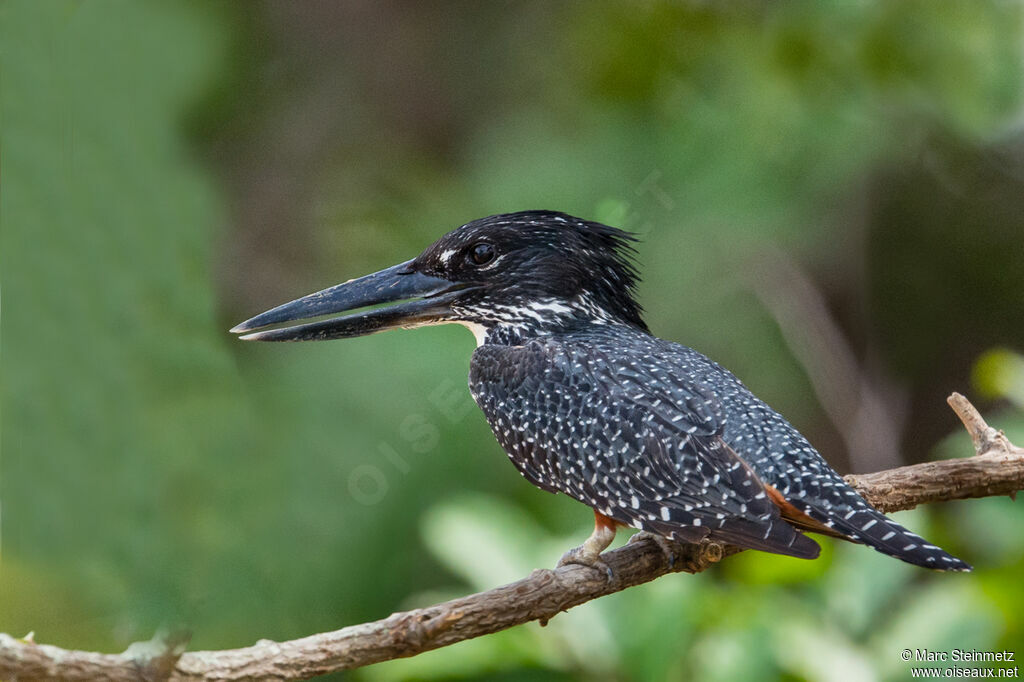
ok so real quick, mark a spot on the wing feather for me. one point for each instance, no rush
(631, 439)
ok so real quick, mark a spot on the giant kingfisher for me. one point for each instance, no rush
(587, 402)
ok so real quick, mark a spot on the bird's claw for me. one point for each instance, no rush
(663, 543)
(579, 555)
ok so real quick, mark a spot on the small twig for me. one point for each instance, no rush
(986, 439)
(996, 469)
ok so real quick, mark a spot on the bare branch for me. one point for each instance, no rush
(996, 469)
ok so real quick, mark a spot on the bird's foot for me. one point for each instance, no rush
(663, 543)
(583, 556)
(589, 553)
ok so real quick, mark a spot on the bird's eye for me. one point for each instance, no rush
(482, 253)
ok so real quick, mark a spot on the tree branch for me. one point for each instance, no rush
(996, 469)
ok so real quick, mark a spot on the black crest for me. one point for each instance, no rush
(533, 256)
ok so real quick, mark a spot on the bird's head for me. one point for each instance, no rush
(512, 275)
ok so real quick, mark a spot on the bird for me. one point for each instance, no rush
(587, 402)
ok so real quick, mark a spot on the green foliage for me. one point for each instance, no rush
(999, 373)
(116, 389)
(156, 472)
(724, 625)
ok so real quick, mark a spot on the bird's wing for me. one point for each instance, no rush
(629, 438)
(810, 494)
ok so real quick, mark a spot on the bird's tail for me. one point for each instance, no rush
(864, 524)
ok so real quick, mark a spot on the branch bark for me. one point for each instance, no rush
(996, 469)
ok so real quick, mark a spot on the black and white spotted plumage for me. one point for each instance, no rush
(659, 437)
(587, 402)
(576, 415)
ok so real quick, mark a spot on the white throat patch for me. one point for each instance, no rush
(479, 331)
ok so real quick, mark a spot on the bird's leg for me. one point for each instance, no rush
(663, 543)
(589, 553)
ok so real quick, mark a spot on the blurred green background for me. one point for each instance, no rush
(830, 200)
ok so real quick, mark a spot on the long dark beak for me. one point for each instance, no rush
(425, 299)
